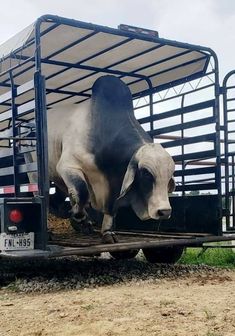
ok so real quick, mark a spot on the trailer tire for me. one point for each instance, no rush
(163, 255)
(122, 255)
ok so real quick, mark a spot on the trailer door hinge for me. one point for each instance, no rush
(222, 90)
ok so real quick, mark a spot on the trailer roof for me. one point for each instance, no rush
(74, 54)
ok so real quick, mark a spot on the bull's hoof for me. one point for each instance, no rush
(83, 226)
(109, 237)
(87, 228)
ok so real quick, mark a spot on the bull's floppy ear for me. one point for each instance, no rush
(128, 178)
(171, 185)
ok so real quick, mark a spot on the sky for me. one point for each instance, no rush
(209, 23)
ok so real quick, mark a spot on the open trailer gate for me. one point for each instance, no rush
(228, 90)
(175, 89)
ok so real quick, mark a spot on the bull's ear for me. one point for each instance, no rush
(128, 178)
(171, 185)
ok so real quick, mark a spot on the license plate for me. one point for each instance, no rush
(20, 241)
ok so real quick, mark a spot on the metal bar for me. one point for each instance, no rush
(178, 111)
(164, 60)
(15, 170)
(63, 99)
(233, 188)
(120, 62)
(143, 244)
(231, 110)
(41, 131)
(182, 145)
(157, 89)
(136, 55)
(186, 125)
(8, 152)
(199, 163)
(167, 70)
(164, 234)
(14, 68)
(70, 93)
(72, 44)
(178, 95)
(15, 132)
(186, 141)
(110, 66)
(196, 171)
(211, 179)
(188, 187)
(65, 48)
(27, 59)
(169, 84)
(196, 156)
(87, 67)
(217, 143)
(226, 168)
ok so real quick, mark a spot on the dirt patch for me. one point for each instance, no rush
(201, 305)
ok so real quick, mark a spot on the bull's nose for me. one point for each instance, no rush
(164, 213)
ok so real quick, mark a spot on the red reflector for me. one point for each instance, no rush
(15, 216)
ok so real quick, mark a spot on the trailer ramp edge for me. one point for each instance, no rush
(54, 251)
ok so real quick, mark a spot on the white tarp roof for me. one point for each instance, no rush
(75, 54)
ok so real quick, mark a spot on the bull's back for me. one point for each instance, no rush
(67, 133)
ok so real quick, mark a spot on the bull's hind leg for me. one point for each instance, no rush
(108, 236)
(75, 182)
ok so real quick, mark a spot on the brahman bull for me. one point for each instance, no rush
(99, 154)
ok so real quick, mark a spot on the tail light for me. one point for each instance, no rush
(15, 216)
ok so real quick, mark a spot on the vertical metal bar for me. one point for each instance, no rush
(41, 132)
(151, 111)
(226, 158)
(182, 144)
(217, 142)
(150, 104)
(15, 132)
(232, 193)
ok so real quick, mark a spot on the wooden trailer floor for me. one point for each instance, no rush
(81, 240)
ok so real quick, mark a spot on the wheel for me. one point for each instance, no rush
(164, 255)
(130, 254)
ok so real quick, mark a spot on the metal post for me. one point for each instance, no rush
(182, 145)
(15, 132)
(41, 132)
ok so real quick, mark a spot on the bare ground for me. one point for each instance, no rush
(192, 305)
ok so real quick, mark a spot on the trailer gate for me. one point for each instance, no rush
(228, 90)
(175, 89)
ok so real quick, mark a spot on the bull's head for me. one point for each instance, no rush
(147, 182)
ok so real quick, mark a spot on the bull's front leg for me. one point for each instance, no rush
(78, 193)
(108, 236)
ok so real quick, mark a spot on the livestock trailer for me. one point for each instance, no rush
(177, 99)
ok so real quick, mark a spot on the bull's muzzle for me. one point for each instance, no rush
(164, 213)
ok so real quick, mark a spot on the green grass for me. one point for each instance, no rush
(220, 257)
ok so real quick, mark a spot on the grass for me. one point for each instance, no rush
(220, 257)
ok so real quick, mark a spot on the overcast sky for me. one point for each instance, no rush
(209, 23)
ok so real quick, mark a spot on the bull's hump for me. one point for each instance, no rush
(109, 92)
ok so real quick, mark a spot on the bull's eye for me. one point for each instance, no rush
(146, 175)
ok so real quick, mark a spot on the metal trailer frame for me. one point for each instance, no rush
(228, 91)
(184, 229)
